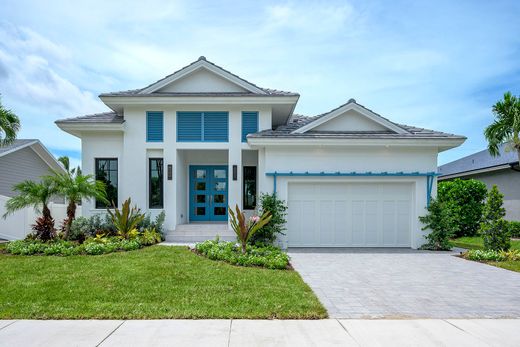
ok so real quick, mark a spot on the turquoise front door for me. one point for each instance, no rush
(208, 193)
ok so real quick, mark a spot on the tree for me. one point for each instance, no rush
(9, 126)
(506, 126)
(465, 199)
(35, 194)
(442, 223)
(494, 229)
(74, 187)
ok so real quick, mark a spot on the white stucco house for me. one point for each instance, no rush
(203, 138)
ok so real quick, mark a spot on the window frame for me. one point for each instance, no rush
(147, 126)
(161, 206)
(202, 136)
(244, 202)
(98, 204)
(243, 132)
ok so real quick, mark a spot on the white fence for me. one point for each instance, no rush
(17, 225)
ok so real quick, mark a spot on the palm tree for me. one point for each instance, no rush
(506, 126)
(74, 187)
(35, 194)
(9, 126)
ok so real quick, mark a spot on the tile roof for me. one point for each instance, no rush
(18, 143)
(135, 92)
(479, 160)
(297, 121)
(104, 118)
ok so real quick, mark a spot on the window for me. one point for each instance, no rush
(106, 172)
(249, 187)
(154, 126)
(202, 126)
(155, 173)
(249, 124)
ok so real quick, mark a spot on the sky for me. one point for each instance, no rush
(434, 64)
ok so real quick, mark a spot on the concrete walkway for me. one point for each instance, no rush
(407, 284)
(328, 332)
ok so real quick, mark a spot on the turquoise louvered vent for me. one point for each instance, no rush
(202, 126)
(154, 126)
(249, 124)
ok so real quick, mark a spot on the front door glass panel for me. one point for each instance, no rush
(208, 193)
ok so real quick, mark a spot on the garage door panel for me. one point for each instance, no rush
(349, 214)
(342, 235)
(308, 225)
(326, 225)
(371, 223)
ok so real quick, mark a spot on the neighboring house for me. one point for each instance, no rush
(25, 160)
(502, 170)
(203, 139)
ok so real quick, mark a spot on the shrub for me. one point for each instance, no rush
(245, 228)
(44, 228)
(514, 229)
(156, 224)
(268, 256)
(80, 229)
(442, 222)
(276, 226)
(126, 220)
(149, 237)
(494, 229)
(465, 199)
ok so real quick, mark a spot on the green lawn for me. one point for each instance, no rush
(477, 243)
(151, 283)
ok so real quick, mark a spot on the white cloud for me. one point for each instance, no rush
(311, 18)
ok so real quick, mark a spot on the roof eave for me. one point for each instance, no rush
(441, 143)
(477, 171)
(77, 128)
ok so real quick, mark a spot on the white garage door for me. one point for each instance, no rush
(349, 214)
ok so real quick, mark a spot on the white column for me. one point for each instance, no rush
(235, 158)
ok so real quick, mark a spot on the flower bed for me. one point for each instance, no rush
(91, 246)
(269, 257)
(482, 255)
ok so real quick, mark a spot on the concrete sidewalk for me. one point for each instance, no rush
(327, 332)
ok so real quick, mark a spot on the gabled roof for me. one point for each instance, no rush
(300, 126)
(480, 161)
(16, 145)
(103, 118)
(350, 105)
(201, 63)
(37, 147)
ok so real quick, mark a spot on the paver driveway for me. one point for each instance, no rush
(404, 283)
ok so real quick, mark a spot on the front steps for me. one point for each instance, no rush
(198, 232)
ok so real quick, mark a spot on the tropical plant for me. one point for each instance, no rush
(442, 223)
(465, 199)
(74, 187)
(36, 195)
(506, 126)
(276, 226)
(245, 228)
(9, 126)
(126, 220)
(494, 229)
